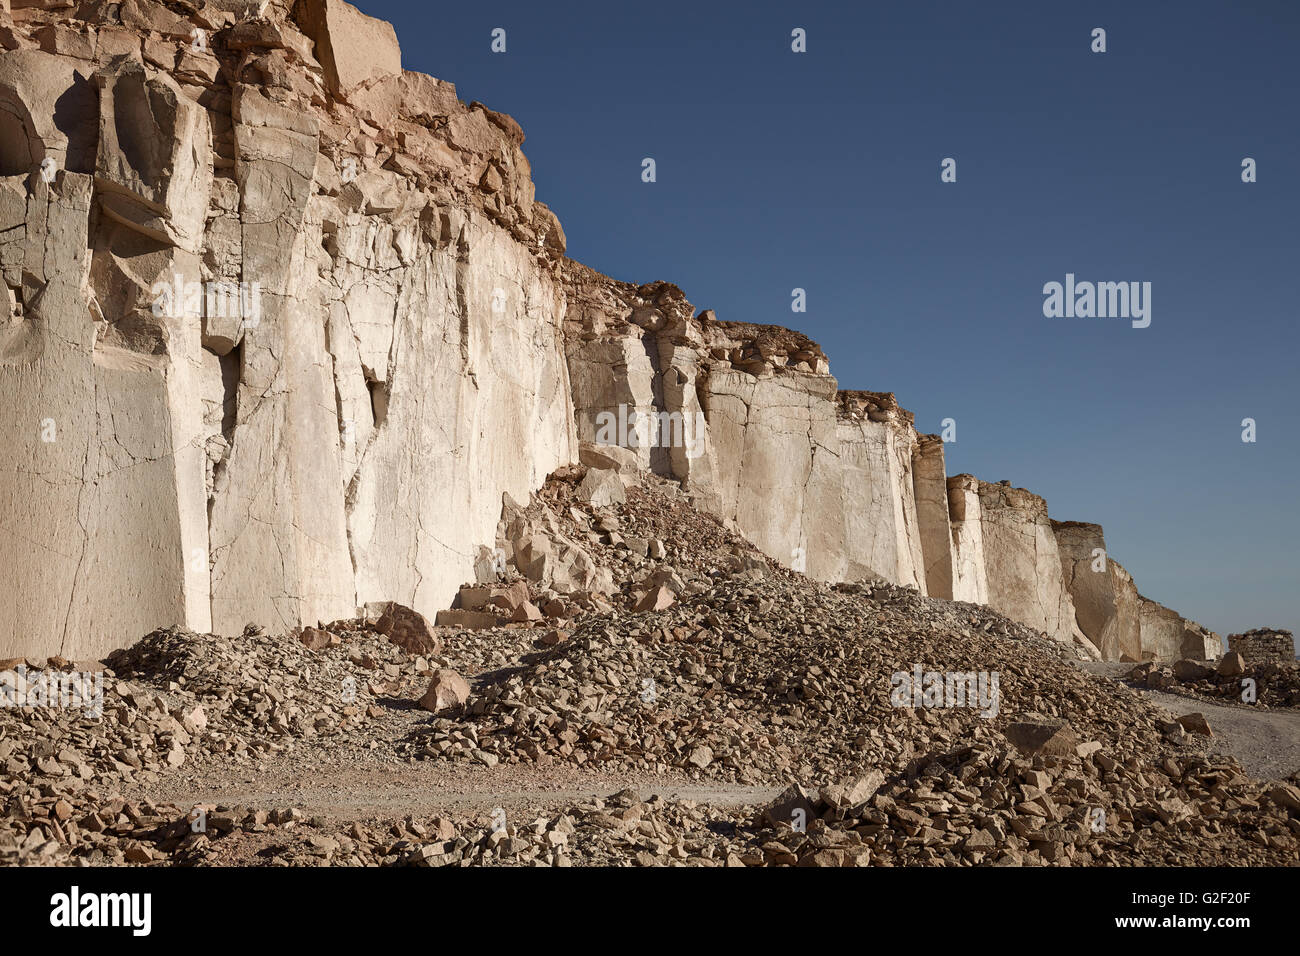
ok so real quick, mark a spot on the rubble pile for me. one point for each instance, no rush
(1233, 680)
(702, 662)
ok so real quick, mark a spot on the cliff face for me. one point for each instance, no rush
(821, 480)
(359, 349)
(280, 323)
(1105, 597)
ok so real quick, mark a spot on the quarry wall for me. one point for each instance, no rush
(281, 323)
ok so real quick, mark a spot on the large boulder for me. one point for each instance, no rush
(447, 691)
(408, 629)
(353, 49)
(1051, 738)
(601, 488)
(1232, 665)
(1167, 635)
(793, 807)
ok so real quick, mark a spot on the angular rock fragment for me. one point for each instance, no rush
(314, 639)
(658, 599)
(602, 488)
(1231, 665)
(408, 629)
(854, 793)
(447, 691)
(792, 807)
(1052, 738)
(353, 49)
(473, 620)
(1196, 723)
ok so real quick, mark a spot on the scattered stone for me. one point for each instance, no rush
(855, 793)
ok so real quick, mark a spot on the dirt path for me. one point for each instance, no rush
(386, 790)
(1265, 742)
(355, 786)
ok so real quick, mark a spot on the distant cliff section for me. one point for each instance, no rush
(281, 323)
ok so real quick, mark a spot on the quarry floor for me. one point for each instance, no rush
(351, 787)
(359, 791)
(1265, 742)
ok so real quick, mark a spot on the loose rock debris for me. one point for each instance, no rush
(750, 674)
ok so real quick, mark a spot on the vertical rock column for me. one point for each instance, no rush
(463, 342)
(49, 422)
(279, 538)
(881, 530)
(776, 464)
(104, 509)
(681, 382)
(612, 381)
(932, 516)
(969, 580)
(153, 175)
(1021, 561)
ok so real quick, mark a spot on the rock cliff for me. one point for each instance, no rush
(282, 325)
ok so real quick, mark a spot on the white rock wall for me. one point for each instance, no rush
(1105, 598)
(419, 348)
(930, 484)
(350, 442)
(1021, 562)
(969, 578)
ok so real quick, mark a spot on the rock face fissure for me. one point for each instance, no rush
(282, 325)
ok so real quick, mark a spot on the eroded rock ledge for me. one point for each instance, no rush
(369, 334)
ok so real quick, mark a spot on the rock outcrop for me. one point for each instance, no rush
(282, 325)
(1166, 635)
(750, 420)
(1022, 566)
(1104, 595)
(269, 354)
(969, 578)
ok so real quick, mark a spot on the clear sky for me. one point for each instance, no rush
(821, 170)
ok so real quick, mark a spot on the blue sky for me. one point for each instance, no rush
(821, 171)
